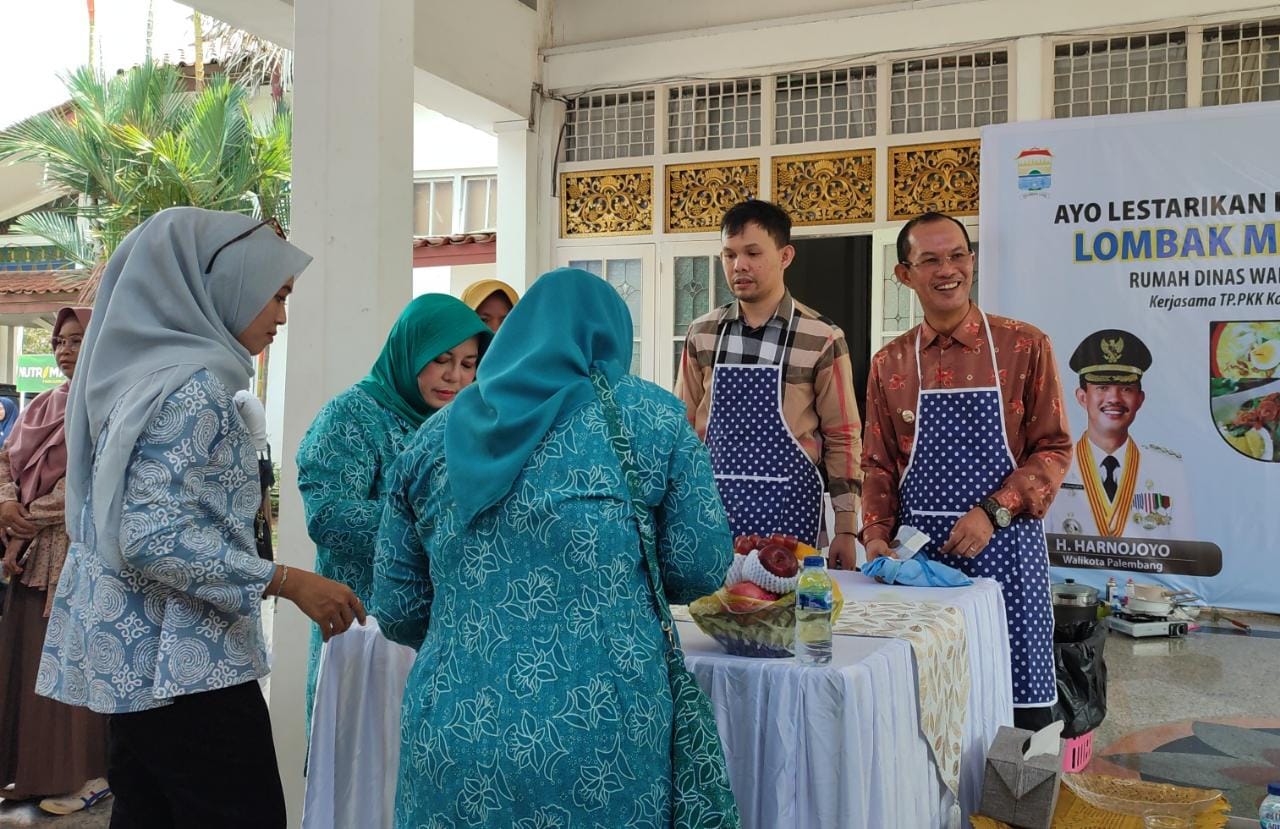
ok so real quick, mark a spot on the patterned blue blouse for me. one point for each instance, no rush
(539, 695)
(342, 466)
(184, 615)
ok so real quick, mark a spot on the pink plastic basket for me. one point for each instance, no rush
(1078, 753)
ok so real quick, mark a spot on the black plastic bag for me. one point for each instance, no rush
(1082, 683)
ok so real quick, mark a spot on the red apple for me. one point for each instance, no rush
(751, 590)
(778, 560)
(744, 544)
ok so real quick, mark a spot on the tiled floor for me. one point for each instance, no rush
(1201, 711)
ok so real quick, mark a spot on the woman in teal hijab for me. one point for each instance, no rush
(429, 356)
(539, 695)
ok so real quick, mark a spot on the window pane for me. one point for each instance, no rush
(442, 208)
(475, 213)
(422, 209)
(588, 265)
(692, 274)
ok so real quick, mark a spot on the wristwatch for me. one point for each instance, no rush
(999, 514)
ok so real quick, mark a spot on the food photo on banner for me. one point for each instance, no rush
(1145, 246)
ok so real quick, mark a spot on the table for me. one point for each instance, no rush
(831, 747)
(841, 746)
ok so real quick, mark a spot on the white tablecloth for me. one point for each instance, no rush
(355, 731)
(809, 748)
(841, 746)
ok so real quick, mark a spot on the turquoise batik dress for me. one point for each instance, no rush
(343, 463)
(539, 696)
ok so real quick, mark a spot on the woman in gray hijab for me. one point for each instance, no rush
(156, 621)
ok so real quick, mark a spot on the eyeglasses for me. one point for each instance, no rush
(933, 263)
(271, 223)
(70, 343)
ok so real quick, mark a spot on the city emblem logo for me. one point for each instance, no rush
(1035, 168)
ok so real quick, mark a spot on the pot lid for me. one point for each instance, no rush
(1070, 593)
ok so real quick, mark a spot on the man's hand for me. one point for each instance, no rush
(843, 552)
(877, 548)
(971, 534)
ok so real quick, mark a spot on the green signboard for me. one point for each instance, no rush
(38, 372)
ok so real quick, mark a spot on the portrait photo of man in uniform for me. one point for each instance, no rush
(1119, 486)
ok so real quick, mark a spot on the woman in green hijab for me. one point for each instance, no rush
(429, 356)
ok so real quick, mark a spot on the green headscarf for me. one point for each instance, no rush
(428, 327)
(537, 372)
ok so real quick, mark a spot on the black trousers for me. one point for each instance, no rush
(205, 762)
(1033, 719)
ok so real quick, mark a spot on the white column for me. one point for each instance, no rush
(352, 210)
(518, 262)
(8, 353)
(1033, 82)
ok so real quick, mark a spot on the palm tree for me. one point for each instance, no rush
(139, 142)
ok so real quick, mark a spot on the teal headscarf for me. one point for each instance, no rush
(536, 373)
(428, 326)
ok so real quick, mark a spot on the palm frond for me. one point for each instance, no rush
(61, 231)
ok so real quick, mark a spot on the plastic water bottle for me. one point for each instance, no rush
(1269, 811)
(813, 613)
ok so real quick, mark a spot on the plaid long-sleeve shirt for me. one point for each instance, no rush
(818, 401)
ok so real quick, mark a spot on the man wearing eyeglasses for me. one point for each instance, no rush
(967, 440)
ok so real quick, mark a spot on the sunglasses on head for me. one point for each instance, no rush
(271, 223)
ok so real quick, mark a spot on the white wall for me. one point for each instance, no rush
(450, 279)
(812, 41)
(489, 47)
(584, 21)
(441, 143)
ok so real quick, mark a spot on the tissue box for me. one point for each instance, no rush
(1020, 792)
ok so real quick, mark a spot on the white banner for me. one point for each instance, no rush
(1145, 246)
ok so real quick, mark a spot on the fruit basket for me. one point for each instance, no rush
(744, 617)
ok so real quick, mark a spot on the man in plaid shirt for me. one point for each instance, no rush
(768, 384)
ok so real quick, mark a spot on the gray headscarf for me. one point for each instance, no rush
(159, 319)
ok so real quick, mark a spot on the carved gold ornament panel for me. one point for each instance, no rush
(699, 194)
(941, 177)
(606, 202)
(827, 188)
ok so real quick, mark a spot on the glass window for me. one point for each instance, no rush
(949, 92)
(825, 106)
(1135, 73)
(1241, 63)
(613, 125)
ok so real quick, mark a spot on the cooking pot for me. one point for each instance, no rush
(1073, 603)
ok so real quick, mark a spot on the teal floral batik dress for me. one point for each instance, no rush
(343, 463)
(539, 697)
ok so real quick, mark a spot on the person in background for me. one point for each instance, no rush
(157, 618)
(509, 557)
(429, 356)
(492, 300)
(254, 415)
(47, 749)
(967, 441)
(8, 417)
(767, 382)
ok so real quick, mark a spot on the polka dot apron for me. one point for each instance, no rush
(766, 480)
(960, 456)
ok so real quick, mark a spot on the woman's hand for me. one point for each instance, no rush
(331, 605)
(11, 566)
(15, 520)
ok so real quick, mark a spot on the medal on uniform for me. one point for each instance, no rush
(1152, 509)
(1109, 516)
